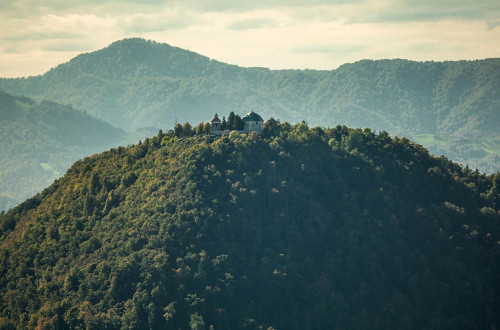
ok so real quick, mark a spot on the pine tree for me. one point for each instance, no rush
(224, 122)
(187, 129)
(238, 124)
(230, 121)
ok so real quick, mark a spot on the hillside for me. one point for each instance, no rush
(299, 229)
(453, 108)
(40, 140)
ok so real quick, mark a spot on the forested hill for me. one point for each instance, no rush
(298, 229)
(451, 107)
(40, 140)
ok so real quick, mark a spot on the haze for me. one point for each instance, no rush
(38, 35)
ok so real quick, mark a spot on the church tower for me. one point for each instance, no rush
(216, 124)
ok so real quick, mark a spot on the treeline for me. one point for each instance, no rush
(186, 129)
(40, 140)
(300, 228)
(233, 122)
(453, 104)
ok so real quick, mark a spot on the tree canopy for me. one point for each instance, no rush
(449, 107)
(301, 228)
(40, 140)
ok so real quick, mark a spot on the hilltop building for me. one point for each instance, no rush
(216, 124)
(253, 123)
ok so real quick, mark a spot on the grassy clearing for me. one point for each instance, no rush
(47, 167)
(22, 104)
(428, 140)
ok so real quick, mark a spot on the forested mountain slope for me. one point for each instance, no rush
(299, 229)
(40, 140)
(450, 107)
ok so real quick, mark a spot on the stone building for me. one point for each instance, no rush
(216, 124)
(253, 123)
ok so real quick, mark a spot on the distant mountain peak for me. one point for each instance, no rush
(135, 83)
(149, 45)
(140, 42)
(136, 56)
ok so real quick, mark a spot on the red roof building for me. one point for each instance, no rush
(216, 124)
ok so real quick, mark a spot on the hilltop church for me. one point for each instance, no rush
(253, 123)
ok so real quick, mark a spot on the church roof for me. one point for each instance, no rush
(216, 118)
(252, 116)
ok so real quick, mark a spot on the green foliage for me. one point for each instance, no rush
(230, 121)
(6, 201)
(224, 123)
(302, 228)
(135, 83)
(40, 140)
(199, 129)
(207, 128)
(238, 124)
(196, 322)
(234, 122)
(187, 129)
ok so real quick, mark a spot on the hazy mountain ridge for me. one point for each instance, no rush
(40, 140)
(135, 83)
(301, 229)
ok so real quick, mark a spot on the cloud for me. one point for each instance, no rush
(255, 23)
(249, 5)
(431, 10)
(34, 34)
(168, 20)
(491, 25)
(321, 34)
(65, 46)
(328, 49)
(434, 46)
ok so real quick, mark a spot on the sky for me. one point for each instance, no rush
(36, 35)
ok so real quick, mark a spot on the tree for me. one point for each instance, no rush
(142, 255)
(238, 124)
(178, 130)
(169, 311)
(187, 129)
(224, 122)
(271, 127)
(199, 128)
(94, 184)
(197, 322)
(230, 121)
(207, 129)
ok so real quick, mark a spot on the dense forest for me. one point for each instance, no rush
(40, 141)
(300, 228)
(452, 108)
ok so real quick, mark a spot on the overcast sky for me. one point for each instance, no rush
(36, 35)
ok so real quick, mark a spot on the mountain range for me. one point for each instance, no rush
(300, 228)
(40, 141)
(452, 108)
